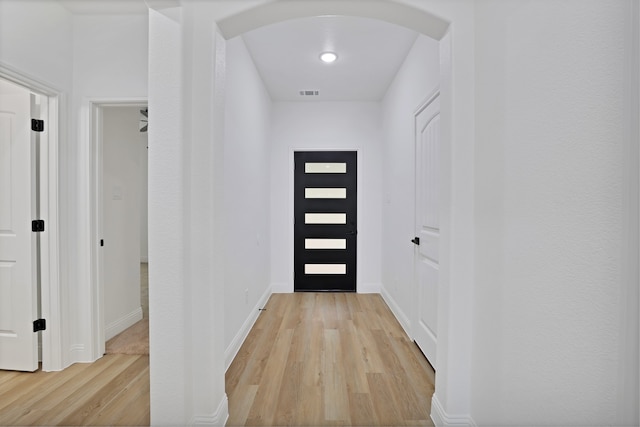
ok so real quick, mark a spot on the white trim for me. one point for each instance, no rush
(52, 353)
(369, 288)
(144, 260)
(233, 348)
(441, 418)
(218, 418)
(92, 173)
(403, 319)
(123, 323)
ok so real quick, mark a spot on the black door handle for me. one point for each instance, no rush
(416, 241)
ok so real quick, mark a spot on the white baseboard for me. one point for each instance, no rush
(236, 343)
(395, 309)
(281, 288)
(218, 418)
(369, 288)
(126, 321)
(441, 419)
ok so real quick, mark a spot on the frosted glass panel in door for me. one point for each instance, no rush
(325, 193)
(325, 269)
(325, 218)
(325, 168)
(325, 243)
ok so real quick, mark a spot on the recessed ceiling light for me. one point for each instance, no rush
(328, 57)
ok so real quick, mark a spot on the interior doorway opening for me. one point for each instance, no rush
(119, 220)
(328, 119)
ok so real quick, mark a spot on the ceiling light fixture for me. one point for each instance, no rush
(328, 57)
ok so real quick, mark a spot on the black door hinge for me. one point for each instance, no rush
(101, 242)
(39, 325)
(37, 225)
(37, 125)
(416, 241)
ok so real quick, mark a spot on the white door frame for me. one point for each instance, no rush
(52, 359)
(97, 222)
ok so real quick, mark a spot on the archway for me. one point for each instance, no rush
(198, 28)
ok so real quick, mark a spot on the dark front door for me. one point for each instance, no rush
(326, 221)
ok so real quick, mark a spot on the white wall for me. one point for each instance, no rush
(418, 77)
(552, 133)
(247, 195)
(110, 63)
(323, 126)
(122, 194)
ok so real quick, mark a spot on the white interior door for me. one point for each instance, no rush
(18, 280)
(427, 227)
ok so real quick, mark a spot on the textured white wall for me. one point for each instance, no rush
(122, 183)
(167, 291)
(325, 126)
(551, 141)
(418, 77)
(247, 190)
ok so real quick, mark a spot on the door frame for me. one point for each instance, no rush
(291, 212)
(96, 256)
(50, 298)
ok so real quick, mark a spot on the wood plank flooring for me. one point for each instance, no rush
(112, 391)
(329, 359)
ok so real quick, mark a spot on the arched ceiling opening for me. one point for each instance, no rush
(385, 10)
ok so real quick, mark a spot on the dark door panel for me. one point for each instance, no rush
(325, 251)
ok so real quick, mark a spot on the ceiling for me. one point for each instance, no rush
(370, 52)
(105, 7)
(286, 54)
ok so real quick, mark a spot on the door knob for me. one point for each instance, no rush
(416, 241)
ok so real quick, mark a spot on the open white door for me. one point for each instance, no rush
(18, 275)
(427, 226)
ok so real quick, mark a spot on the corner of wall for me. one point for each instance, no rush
(281, 288)
(369, 288)
(441, 419)
(218, 418)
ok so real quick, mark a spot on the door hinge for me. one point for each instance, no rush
(37, 225)
(37, 125)
(101, 242)
(416, 241)
(39, 325)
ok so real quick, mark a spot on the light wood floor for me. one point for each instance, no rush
(112, 391)
(328, 359)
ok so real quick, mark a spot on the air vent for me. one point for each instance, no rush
(309, 93)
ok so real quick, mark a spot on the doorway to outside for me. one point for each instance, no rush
(326, 221)
(119, 199)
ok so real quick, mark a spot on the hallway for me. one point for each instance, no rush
(328, 359)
